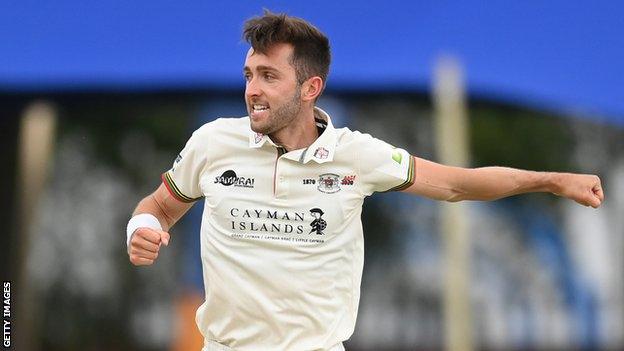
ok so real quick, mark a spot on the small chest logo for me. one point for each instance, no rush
(321, 153)
(229, 178)
(258, 137)
(348, 180)
(329, 183)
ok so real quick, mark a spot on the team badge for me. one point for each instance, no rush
(321, 153)
(329, 183)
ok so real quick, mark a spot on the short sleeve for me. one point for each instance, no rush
(383, 167)
(182, 180)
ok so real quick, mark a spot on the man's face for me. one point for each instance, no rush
(272, 93)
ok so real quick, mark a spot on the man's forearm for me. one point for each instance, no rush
(163, 206)
(492, 183)
(447, 183)
(151, 206)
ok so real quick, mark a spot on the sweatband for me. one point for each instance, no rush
(141, 221)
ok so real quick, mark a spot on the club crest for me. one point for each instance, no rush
(329, 183)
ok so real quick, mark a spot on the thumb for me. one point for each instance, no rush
(593, 200)
(590, 200)
(164, 237)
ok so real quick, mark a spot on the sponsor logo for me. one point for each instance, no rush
(229, 178)
(329, 183)
(309, 181)
(271, 224)
(318, 224)
(396, 156)
(267, 220)
(348, 180)
(321, 153)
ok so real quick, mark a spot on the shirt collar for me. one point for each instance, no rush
(256, 140)
(321, 150)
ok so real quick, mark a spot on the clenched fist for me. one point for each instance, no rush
(585, 189)
(145, 244)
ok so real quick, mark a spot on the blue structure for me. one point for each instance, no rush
(561, 55)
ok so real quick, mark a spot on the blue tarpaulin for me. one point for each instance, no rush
(563, 55)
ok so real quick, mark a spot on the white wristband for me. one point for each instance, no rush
(140, 221)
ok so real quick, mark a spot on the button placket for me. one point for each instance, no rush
(282, 179)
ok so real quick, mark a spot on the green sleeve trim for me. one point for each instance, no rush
(411, 172)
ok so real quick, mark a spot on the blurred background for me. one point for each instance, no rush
(97, 99)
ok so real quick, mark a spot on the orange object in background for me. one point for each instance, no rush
(187, 336)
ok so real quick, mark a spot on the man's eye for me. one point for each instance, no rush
(269, 76)
(247, 77)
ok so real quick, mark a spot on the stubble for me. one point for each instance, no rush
(282, 116)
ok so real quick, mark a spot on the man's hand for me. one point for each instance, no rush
(582, 188)
(145, 244)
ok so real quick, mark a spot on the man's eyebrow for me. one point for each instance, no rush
(261, 68)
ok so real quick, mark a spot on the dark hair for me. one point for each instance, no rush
(311, 55)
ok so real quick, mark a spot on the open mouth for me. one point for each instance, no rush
(258, 110)
(258, 107)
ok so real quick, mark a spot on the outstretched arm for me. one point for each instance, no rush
(145, 242)
(440, 182)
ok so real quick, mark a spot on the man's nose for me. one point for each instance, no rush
(252, 89)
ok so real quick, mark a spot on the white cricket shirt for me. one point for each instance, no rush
(281, 237)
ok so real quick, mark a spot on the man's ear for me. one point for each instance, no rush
(311, 88)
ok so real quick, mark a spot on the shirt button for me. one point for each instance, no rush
(281, 179)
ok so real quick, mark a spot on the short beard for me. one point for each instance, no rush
(281, 117)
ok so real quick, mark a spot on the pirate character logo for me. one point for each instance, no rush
(318, 224)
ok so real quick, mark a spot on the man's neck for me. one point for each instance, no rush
(300, 134)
